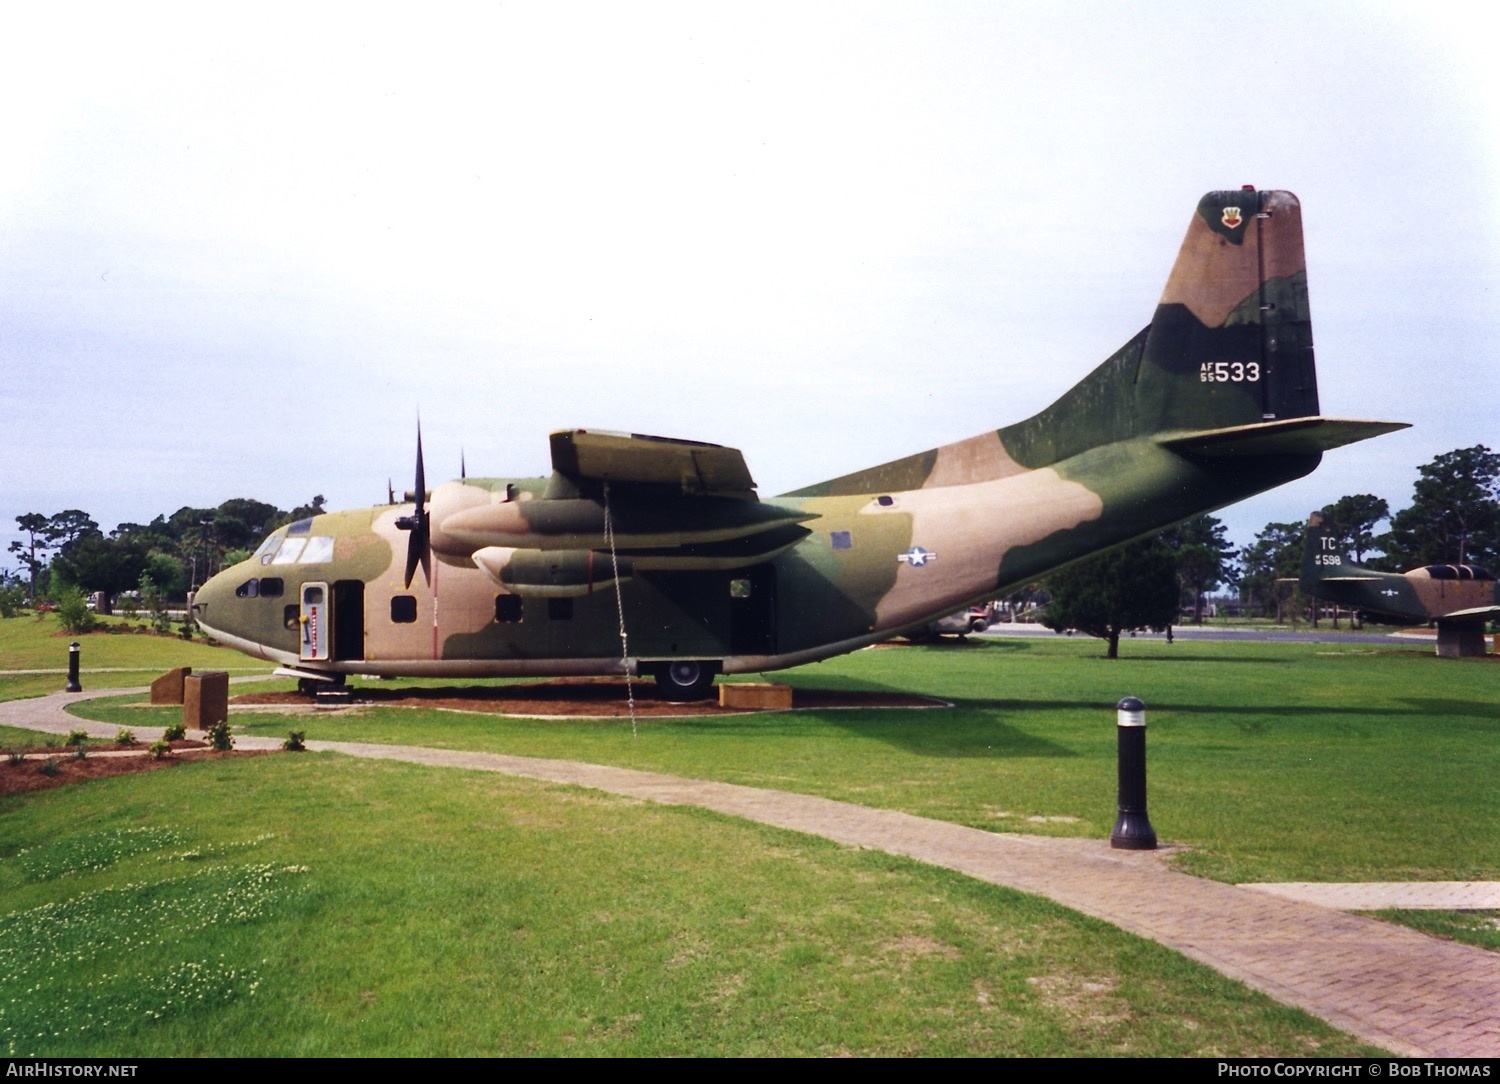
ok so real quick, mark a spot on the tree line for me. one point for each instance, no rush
(166, 557)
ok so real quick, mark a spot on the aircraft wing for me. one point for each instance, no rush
(688, 466)
(1477, 611)
(1292, 436)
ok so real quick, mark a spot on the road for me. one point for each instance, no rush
(1324, 635)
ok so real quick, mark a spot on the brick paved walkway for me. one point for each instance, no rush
(1391, 986)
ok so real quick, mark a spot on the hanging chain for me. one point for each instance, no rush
(614, 560)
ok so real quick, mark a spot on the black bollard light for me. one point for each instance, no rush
(73, 686)
(1132, 830)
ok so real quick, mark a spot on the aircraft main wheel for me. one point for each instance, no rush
(687, 680)
(312, 686)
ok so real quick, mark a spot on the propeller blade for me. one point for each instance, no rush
(421, 474)
(418, 547)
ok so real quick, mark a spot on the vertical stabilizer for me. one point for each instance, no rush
(1323, 557)
(1231, 341)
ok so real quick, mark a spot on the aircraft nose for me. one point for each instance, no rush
(208, 601)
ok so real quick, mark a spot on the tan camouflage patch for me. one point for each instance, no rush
(963, 533)
(978, 459)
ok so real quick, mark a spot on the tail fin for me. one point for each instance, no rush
(1225, 366)
(1322, 557)
(1325, 563)
(1231, 341)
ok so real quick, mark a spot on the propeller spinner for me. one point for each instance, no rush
(419, 546)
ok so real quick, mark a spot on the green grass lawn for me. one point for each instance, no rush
(1271, 761)
(125, 659)
(317, 905)
(451, 912)
(36, 642)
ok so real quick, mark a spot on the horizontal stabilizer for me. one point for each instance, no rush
(1292, 436)
(1476, 612)
(631, 458)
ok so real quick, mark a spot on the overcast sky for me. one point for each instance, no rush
(242, 247)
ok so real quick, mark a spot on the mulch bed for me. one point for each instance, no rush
(28, 775)
(600, 697)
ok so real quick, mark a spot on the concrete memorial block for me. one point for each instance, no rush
(756, 696)
(167, 689)
(205, 699)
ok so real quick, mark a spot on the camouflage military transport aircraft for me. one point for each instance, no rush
(645, 555)
(1460, 598)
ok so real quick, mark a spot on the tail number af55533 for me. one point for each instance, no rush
(1228, 372)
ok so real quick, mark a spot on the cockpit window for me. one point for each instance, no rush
(268, 548)
(290, 550)
(248, 589)
(1458, 572)
(319, 548)
(272, 587)
(311, 550)
(302, 526)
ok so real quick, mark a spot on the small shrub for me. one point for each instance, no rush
(220, 738)
(160, 750)
(175, 732)
(15, 756)
(80, 751)
(12, 600)
(73, 611)
(50, 766)
(77, 737)
(295, 741)
(185, 630)
(124, 736)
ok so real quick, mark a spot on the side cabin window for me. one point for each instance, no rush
(404, 609)
(291, 616)
(507, 608)
(272, 587)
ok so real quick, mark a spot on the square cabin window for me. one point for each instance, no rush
(507, 608)
(403, 609)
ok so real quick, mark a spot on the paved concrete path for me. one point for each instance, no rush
(1379, 895)
(1391, 986)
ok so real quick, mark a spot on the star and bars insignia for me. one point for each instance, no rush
(916, 556)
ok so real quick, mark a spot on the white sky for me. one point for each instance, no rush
(242, 246)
